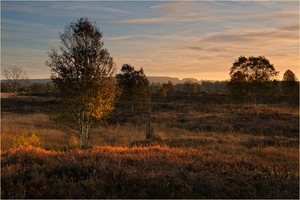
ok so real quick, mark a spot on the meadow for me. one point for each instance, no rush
(208, 149)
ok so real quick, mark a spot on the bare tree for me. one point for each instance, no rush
(82, 70)
(16, 77)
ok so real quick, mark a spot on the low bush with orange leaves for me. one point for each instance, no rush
(142, 172)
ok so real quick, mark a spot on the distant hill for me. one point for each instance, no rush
(163, 79)
(39, 80)
(33, 81)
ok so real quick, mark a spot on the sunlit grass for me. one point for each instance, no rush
(50, 135)
(143, 172)
(205, 152)
(55, 137)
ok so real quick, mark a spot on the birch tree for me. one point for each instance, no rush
(82, 70)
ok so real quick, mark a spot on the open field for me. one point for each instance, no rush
(209, 149)
(149, 172)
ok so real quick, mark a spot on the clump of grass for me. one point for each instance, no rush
(26, 140)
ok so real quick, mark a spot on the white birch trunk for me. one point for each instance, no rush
(86, 133)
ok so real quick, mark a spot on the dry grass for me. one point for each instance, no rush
(221, 136)
(276, 154)
(223, 128)
(51, 137)
(117, 135)
(6, 95)
(148, 172)
(60, 138)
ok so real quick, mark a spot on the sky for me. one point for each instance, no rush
(184, 39)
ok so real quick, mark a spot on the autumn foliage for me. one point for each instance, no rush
(142, 172)
(26, 140)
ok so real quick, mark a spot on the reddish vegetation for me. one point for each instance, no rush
(149, 172)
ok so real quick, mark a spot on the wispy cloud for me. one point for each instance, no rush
(173, 6)
(192, 17)
(252, 36)
(173, 11)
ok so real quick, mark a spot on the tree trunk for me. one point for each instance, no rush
(87, 129)
(86, 142)
(81, 128)
(80, 139)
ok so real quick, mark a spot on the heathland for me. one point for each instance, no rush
(208, 148)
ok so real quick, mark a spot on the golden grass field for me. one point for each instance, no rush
(226, 131)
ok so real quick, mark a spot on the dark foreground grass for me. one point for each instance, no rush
(143, 172)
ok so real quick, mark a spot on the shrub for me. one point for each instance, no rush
(26, 140)
(150, 135)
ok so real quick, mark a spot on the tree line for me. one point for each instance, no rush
(82, 72)
(163, 90)
(254, 79)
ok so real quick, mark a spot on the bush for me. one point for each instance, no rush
(150, 135)
(26, 140)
